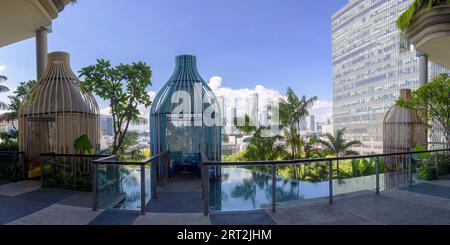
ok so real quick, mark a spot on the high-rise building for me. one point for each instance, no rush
(106, 125)
(371, 62)
(312, 123)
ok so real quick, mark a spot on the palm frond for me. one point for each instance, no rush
(350, 152)
(3, 106)
(8, 116)
(352, 143)
(139, 121)
(327, 144)
(3, 89)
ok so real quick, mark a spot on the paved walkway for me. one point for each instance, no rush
(25, 203)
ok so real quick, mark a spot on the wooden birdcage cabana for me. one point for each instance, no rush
(56, 111)
(403, 129)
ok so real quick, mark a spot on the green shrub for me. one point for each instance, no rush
(427, 171)
(443, 163)
(404, 21)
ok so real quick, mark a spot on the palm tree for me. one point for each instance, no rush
(339, 146)
(260, 147)
(292, 111)
(3, 89)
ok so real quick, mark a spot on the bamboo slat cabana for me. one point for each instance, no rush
(179, 118)
(403, 129)
(57, 111)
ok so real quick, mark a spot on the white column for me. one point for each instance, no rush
(41, 52)
(423, 68)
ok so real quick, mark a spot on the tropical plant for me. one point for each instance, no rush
(405, 19)
(124, 86)
(3, 89)
(432, 101)
(83, 144)
(15, 100)
(339, 146)
(292, 111)
(9, 141)
(427, 171)
(259, 147)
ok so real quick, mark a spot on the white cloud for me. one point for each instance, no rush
(265, 95)
(2, 67)
(321, 110)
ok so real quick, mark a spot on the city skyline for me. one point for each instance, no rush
(224, 47)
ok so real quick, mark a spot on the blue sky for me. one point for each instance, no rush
(274, 43)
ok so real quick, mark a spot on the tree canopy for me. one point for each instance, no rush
(124, 87)
(432, 101)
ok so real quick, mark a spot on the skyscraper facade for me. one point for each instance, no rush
(371, 62)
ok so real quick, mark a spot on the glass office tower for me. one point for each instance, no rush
(372, 61)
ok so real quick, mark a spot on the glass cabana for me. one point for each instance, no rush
(185, 119)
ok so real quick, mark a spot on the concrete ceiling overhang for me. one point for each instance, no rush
(19, 19)
(430, 33)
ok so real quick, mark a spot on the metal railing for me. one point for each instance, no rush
(13, 166)
(67, 171)
(111, 174)
(406, 158)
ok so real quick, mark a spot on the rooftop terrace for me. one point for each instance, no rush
(425, 203)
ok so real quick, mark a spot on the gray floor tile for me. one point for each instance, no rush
(380, 208)
(173, 219)
(259, 217)
(58, 215)
(115, 217)
(13, 208)
(430, 189)
(46, 195)
(319, 214)
(82, 199)
(176, 202)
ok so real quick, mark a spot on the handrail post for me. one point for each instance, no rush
(143, 189)
(330, 181)
(377, 175)
(410, 178)
(205, 189)
(94, 186)
(153, 181)
(274, 187)
(436, 165)
(161, 165)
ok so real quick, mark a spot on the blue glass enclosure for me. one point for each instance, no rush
(185, 118)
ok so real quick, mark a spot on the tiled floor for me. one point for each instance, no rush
(24, 203)
(58, 214)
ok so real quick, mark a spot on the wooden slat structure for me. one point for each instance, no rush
(56, 111)
(403, 128)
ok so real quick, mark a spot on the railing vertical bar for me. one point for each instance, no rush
(94, 186)
(75, 164)
(161, 164)
(436, 165)
(274, 187)
(205, 189)
(153, 180)
(330, 181)
(410, 179)
(143, 189)
(377, 175)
